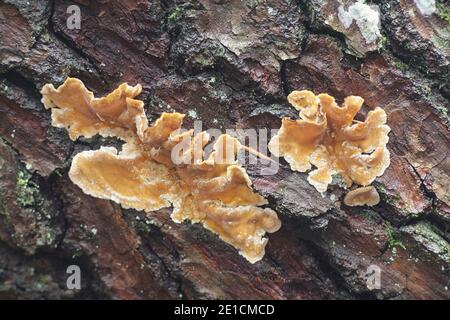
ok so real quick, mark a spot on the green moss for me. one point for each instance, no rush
(175, 13)
(47, 239)
(392, 242)
(442, 12)
(400, 65)
(26, 189)
(382, 42)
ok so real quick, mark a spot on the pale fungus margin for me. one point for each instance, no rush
(329, 138)
(213, 189)
(362, 196)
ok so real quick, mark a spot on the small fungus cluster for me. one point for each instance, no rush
(329, 138)
(215, 191)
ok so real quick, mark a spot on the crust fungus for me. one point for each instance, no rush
(161, 166)
(329, 138)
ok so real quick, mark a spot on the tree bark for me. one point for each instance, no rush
(230, 64)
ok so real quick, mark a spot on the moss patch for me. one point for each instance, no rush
(175, 13)
(442, 12)
(400, 65)
(26, 189)
(392, 241)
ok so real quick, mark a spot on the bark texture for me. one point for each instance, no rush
(231, 64)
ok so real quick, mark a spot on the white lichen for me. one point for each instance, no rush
(192, 114)
(344, 17)
(366, 17)
(426, 7)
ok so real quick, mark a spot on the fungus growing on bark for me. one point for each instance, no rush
(362, 196)
(77, 110)
(161, 166)
(329, 138)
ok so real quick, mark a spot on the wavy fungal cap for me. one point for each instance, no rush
(362, 196)
(214, 191)
(328, 137)
(77, 110)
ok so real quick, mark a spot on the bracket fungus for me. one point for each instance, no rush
(161, 166)
(362, 196)
(329, 138)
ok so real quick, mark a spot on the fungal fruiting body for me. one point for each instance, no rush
(161, 166)
(329, 138)
(362, 196)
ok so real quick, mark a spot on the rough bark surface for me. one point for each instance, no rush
(231, 64)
